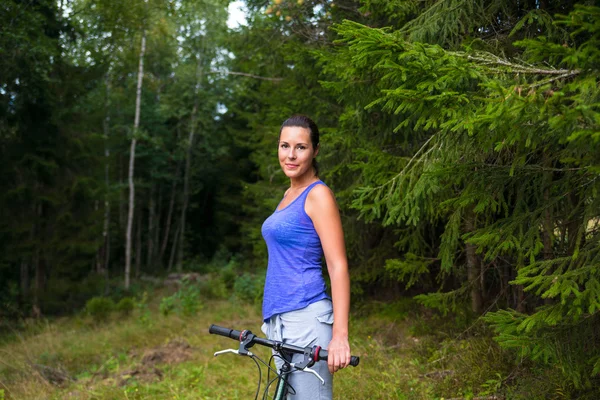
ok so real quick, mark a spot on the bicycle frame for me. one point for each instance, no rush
(281, 389)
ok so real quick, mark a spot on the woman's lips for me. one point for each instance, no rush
(291, 166)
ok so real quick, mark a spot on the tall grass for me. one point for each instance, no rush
(95, 356)
(405, 354)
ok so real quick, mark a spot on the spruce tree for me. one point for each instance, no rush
(503, 169)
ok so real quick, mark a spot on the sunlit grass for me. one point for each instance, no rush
(404, 355)
(96, 356)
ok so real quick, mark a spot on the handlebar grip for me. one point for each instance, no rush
(219, 330)
(354, 360)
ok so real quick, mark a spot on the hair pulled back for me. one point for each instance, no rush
(302, 121)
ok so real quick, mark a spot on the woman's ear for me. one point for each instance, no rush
(317, 150)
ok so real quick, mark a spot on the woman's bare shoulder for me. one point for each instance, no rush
(321, 191)
(320, 196)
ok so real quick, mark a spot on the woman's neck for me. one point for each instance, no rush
(299, 183)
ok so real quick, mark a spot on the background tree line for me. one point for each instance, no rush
(461, 138)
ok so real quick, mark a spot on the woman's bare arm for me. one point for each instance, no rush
(322, 208)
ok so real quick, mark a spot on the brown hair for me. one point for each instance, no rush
(302, 121)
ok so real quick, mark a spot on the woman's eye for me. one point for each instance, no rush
(302, 147)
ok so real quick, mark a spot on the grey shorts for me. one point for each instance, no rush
(308, 326)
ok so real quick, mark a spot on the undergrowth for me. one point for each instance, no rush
(407, 352)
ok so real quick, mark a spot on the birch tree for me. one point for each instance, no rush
(136, 124)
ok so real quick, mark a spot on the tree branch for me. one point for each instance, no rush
(248, 75)
(495, 60)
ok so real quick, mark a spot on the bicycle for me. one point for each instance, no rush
(247, 339)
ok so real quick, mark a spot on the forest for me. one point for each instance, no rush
(461, 138)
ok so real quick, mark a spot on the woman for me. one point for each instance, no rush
(305, 226)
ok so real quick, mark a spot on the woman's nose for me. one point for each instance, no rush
(291, 153)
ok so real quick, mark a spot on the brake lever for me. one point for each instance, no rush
(234, 351)
(311, 371)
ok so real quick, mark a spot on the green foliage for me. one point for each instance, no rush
(144, 313)
(99, 308)
(224, 267)
(186, 301)
(486, 160)
(460, 138)
(215, 289)
(408, 270)
(61, 187)
(533, 337)
(453, 301)
(67, 294)
(9, 303)
(227, 275)
(435, 360)
(125, 306)
(167, 305)
(248, 288)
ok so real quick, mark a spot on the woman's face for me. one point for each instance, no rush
(296, 152)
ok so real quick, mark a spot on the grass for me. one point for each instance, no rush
(100, 358)
(151, 356)
(97, 356)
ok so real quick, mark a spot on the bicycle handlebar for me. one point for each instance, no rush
(219, 330)
(321, 354)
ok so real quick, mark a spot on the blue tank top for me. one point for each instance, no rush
(294, 273)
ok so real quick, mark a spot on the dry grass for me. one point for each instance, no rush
(172, 357)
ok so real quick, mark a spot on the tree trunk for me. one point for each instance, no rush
(106, 227)
(121, 192)
(188, 163)
(150, 245)
(575, 225)
(157, 218)
(98, 263)
(473, 267)
(484, 293)
(136, 124)
(40, 281)
(548, 226)
(165, 240)
(106, 265)
(174, 248)
(138, 245)
(38, 265)
(36, 281)
(24, 272)
(520, 295)
(547, 231)
(505, 278)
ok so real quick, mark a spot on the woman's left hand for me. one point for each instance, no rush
(338, 353)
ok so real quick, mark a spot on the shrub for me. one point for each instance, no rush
(197, 264)
(216, 289)
(249, 288)
(167, 305)
(189, 298)
(186, 301)
(228, 274)
(144, 315)
(213, 288)
(99, 308)
(125, 306)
